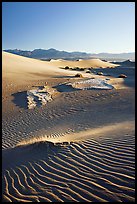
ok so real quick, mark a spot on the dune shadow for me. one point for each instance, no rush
(67, 77)
(129, 82)
(115, 72)
(40, 87)
(65, 88)
(29, 152)
(20, 99)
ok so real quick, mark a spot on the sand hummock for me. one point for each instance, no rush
(80, 146)
(84, 63)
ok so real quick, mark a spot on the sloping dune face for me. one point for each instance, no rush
(94, 63)
(20, 68)
(14, 64)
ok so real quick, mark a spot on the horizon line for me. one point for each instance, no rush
(70, 51)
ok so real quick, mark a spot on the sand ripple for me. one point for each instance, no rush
(96, 162)
(91, 170)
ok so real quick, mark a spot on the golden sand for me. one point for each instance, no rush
(78, 147)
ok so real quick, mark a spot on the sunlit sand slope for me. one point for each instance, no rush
(23, 68)
(83, 63)
(18, 68)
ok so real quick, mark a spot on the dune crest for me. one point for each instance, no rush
(95, 169)
(84, 63)
(82, 135)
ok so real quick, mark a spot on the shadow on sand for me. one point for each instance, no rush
(64, 76)
(65, 88)
(28, 152)
(20, 99)
(115, 72)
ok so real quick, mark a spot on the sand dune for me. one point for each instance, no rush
(18, 70)
(96, 169)
(23, 65)
(86, 134)
(95, 63)
(22, 68)
(79, 147)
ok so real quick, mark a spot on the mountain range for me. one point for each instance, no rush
(56, 54)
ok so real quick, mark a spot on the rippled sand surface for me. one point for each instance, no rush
(78, 147)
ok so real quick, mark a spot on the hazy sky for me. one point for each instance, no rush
(71, 26)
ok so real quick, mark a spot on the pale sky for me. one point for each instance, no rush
(91, 27)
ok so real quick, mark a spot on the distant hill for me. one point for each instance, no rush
(56, 54)
(127, 63)
(50, 54)
(115, 57)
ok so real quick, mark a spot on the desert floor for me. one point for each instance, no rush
(78, 147)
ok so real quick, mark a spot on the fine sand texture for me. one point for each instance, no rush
(78, 147)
